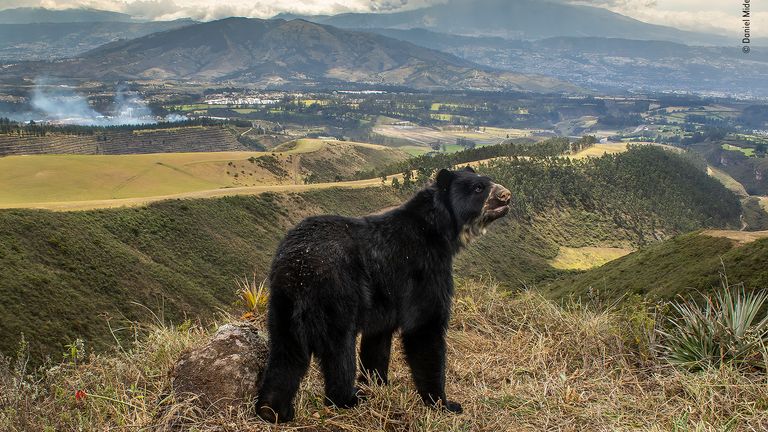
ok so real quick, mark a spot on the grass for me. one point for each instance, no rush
(598, 150)
(515, 362)
(64, 275)
(585, 258)
(690, 262)
(39, 179)
(727, 181)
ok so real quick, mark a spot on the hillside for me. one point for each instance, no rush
(52, 40)
(520, 19)
(606, 63)
(682, 265)
(40, 179)
(62, 273)
(281, 53)
(117, 142)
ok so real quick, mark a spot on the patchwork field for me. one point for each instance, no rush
(94, 181)
(422, 136)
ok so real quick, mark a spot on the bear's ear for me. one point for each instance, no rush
(444, 179)
(469, 168)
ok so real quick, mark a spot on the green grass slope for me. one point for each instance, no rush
(682, 265)
(62, 275)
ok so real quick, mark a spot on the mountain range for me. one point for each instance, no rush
(53, 40)
(488, 44)
(518, 19)
(282, 53)
(610, 64)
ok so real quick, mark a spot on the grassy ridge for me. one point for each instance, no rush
(60, 272)
(682, 265)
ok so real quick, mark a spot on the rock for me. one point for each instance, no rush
(226, 371)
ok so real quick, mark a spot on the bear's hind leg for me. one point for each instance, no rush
(338, 364)
(289, 357)
(375, 350)
(425, 351)
(282, 377)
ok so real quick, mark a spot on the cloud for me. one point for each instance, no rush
(712, 16)
(715, 16)
(208, 10)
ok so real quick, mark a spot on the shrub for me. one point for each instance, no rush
(730, 328)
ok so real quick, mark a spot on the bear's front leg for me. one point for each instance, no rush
(425, 352)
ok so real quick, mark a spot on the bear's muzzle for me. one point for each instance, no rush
(498, 202)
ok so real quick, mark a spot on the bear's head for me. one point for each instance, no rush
(474, 200)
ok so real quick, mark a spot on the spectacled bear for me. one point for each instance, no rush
(334, 277)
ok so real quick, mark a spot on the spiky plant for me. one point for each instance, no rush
(729, 328)
(254, 296)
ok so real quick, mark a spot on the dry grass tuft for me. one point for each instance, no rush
(516, 362)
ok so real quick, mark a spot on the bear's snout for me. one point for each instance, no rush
(502, 194)
(498, 202)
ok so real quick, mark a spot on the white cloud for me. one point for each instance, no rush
(716, 16)
(207, 10)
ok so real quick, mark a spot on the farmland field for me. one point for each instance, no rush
(747, 151)
(424, 136)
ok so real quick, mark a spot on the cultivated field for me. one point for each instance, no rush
(422, 137)
(93, 181)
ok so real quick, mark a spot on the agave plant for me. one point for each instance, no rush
(254, 297)
(729, 328)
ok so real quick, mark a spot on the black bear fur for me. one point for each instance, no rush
(334, 277)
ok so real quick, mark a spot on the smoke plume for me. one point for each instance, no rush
(60, 104)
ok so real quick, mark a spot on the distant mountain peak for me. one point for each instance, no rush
(299, 52)
(518, 19)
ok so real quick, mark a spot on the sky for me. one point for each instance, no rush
(714, 16)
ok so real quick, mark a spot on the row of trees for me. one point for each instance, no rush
(642, 190)
(426, 165)
(10, 127)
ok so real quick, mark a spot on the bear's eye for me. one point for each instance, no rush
(479, 188)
